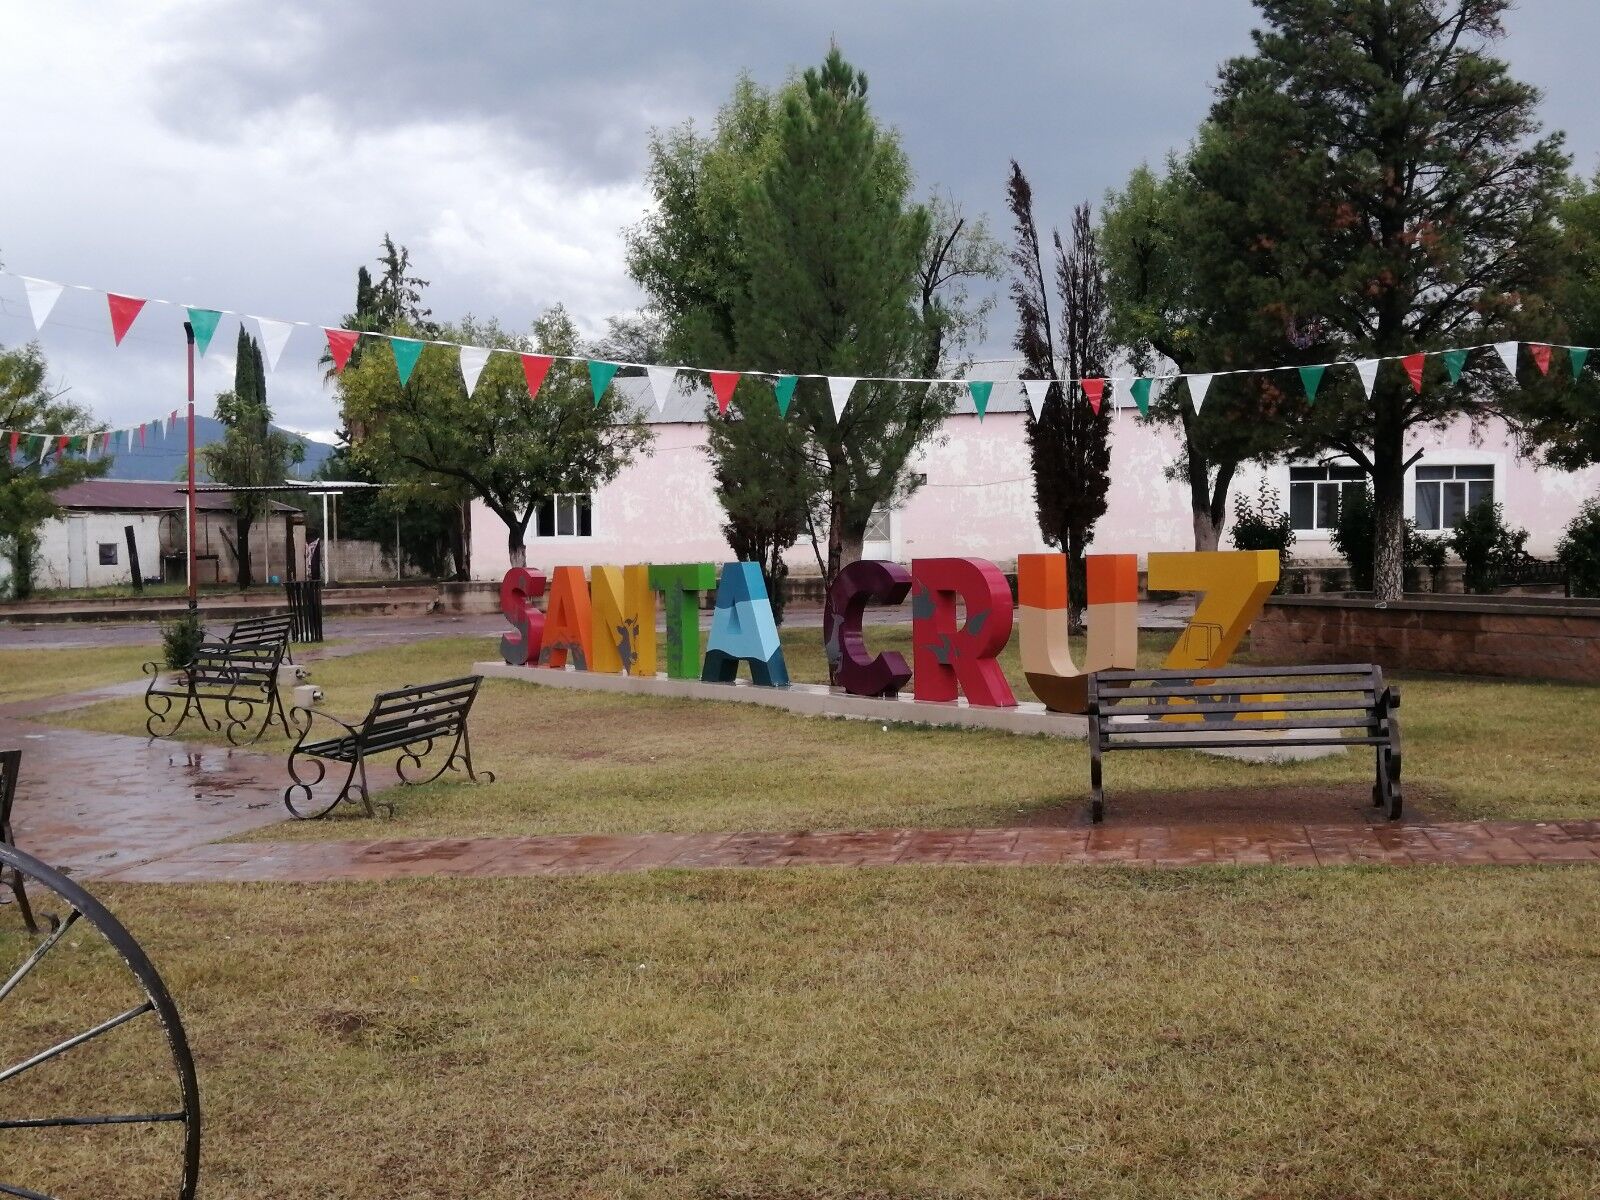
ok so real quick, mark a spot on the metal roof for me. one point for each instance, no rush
(131, 495)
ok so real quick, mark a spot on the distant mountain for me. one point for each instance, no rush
(163, 458)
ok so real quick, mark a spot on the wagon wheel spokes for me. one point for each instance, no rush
(162, 1075)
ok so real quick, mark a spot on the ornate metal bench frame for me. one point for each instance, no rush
(10, 770)
(1295, 702)
(243, 676)
(411, 720)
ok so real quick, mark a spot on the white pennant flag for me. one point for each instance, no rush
(839, 388)
(662, 380)
(274, 337)
(1367, 368)
(472, 361)
(42, 297)
(1037, 391)
(1508, 355)
(1199, 385)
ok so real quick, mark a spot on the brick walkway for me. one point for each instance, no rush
(1491, 842)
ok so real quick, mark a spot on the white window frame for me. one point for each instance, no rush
(1455, 458)
(1285, 488)
(557, 501)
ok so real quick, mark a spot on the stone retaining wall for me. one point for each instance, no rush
(1527, 637)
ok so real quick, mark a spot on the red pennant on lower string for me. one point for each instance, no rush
(1541, 356)
(123, 310)
(1413, 364)
(723, 383)
(1094, 389)
(340, 343)
(534, 368)
(62, 443)
(15, 438)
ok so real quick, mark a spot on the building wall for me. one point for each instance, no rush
(978, 499)
(56, 540)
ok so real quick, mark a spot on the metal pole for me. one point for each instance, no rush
(194, 597)
(397, 545)
(327, 549)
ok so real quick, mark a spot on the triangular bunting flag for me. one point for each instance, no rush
(204, 323)
(1311, 380)
(1139, 389)
(340, 343)
(1094, 389)
(123, 311)
(534, 368)
(1454, 361)
(473, 359)
(1508, 355)
(1199, 385)
(1367, 368)
(1541, 356)
(980, 389)
(600, 373)
(1576, 357)
(15, 438)
(1037, 391)
(1413, 363)
(406, 353)
(783, 393)
(722, 384)
(274, 336)
(662, 381)
(839, 389)
(42, 297)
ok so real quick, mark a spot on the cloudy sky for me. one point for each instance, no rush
(251, 156)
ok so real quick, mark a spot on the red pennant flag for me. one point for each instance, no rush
(1541, 357)
(141, 435)
(723, 383)
(1413, 365)
(62, 443)
(340, 343)
(1094, 389)
(15, 438)
(534, 368)
(123, 310)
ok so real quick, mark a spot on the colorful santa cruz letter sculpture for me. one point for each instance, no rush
(1234, 584)
(1111, 612)
(680, 585)
(857, 672)
(946, 656)
(742, 630)
(623, 605)
(567, 621)
(518, 590)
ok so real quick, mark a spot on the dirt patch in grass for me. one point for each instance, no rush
(826, 1034)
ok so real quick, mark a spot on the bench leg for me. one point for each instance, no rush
(461, 753)
(1097, 795)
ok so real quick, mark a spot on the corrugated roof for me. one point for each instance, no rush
(121, 495)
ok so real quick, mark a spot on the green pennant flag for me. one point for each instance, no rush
(204, 322)
(406, 352)
(1141, 395)
(1576, 357)
(600, 374)
(980, 389)
(783, 391)
(1311, 378)
(1454, 361)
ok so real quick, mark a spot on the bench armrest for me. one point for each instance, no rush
(310, 716)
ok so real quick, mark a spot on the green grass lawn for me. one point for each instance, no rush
(34, 674)
(963, 1033)
(585, 762)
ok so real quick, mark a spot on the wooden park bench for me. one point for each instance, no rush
(1345, 705)
(412, 720)
(240, 676)
(10, 770)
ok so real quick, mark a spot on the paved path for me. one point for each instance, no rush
(1154, 846)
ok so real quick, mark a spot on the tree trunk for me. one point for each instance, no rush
(461, 541)
(241, 528)
(518, 551)
(1388, 498)
(1077, 576)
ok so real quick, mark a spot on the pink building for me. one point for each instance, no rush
(977, 495)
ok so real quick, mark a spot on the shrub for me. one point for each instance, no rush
(1487, 547)
(24, 549)
(1354, 535)
(1263, 525)
(1579, 550)
(180, 640)
(1426, 550)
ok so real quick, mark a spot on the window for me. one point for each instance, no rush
(108, 554)
(1446, 494)
(569, 514)
(877, 525)
(1314, 494)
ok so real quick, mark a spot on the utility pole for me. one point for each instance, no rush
(194, 595)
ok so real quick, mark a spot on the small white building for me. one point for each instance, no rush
(976, 495)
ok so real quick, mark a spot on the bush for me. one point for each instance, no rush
(180, 640)
(24, 549)
(1579, 550)
(1263, 525)
(1355, 535)
(1426, 550)
(1487, 547)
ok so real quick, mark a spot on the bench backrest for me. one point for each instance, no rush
(259, 629)
(1335, 699)
(422, 711)
(254, 664)
(10, 769)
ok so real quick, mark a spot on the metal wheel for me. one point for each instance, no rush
(97, 1087)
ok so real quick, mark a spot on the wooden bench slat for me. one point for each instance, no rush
(1113, 711)
(1244, 743)
(1157, 727)
(1110, 676)
(1235, 689)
